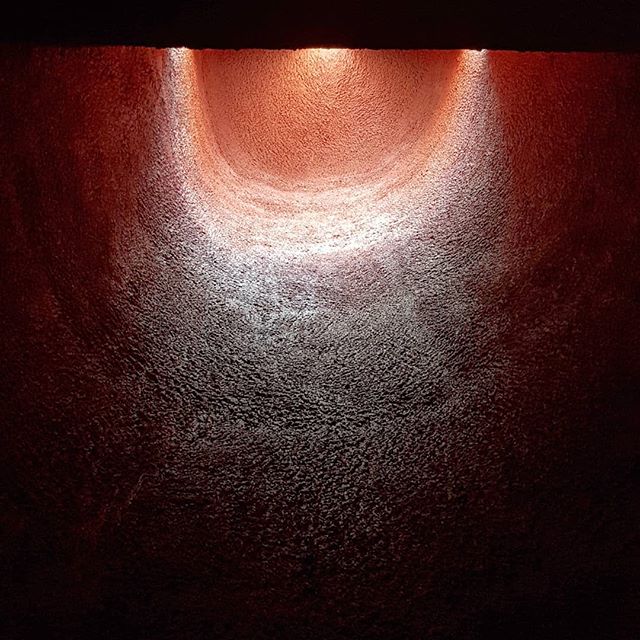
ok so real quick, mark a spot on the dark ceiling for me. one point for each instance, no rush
(560, 25)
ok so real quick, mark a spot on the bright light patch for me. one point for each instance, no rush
(329, 62)
(320, 151)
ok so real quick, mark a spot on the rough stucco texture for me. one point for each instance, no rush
(319, 344)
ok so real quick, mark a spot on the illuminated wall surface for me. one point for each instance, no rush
(319, 344)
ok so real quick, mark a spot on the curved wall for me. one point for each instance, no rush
(319, 344)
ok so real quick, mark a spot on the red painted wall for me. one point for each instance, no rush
(299, 344)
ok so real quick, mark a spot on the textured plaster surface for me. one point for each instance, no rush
(319, 344)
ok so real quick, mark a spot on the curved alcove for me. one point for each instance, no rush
(313, 150)
(319, 343)
(312, 119)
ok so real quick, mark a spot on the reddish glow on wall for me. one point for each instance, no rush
(326, 58)
(307, 116)
(319, 344)
(319, 148)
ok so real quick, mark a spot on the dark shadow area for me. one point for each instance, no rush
(562, 25)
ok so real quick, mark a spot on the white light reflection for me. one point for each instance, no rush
(256, 216)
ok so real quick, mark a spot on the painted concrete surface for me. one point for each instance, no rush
(319, 344)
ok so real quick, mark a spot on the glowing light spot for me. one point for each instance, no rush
(326, 60)
(326, 54)
(320, 152)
